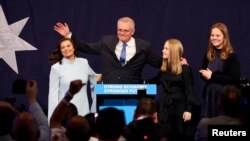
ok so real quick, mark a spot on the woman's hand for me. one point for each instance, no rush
(184, 61)
(187, 116)
(98, 77)
(206, 73)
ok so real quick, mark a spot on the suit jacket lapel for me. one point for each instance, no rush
(112, 49)
(113, 45)
(138, 46)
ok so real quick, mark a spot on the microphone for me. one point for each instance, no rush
(141, 93)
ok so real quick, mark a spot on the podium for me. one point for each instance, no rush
(123, 96)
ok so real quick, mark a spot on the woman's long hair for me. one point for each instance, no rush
(226, 46)
(175, 53)
(56, 55)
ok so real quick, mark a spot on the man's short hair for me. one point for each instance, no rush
(146, 106)
(230, 100)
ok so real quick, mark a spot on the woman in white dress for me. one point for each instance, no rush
(68, 67)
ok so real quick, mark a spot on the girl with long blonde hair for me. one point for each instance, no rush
(178, 98)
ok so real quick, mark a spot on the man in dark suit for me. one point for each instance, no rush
(118, 68)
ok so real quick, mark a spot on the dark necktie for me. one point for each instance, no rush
(123, 54)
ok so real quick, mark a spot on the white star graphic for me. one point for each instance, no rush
(10, 42)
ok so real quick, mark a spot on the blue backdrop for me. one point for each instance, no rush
(156, 21)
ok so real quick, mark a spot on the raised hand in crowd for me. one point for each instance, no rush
(31, 91)
(36, 111)
(75, 86)
(56, 117)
